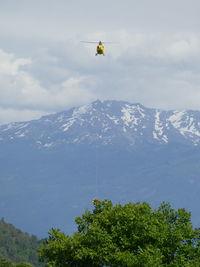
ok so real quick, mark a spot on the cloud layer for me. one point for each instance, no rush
(44, 68)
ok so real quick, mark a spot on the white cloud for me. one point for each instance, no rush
(155, 69)
(10, 65)
(46, 69)
(185, 46)
(23, 94)
(12, 115)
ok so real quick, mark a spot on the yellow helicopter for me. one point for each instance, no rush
(100, 47)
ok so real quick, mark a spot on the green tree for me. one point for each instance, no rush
(6, 263)
(23, 264)
(129, 235)
(16, 245)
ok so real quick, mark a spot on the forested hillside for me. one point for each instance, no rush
(17, 245)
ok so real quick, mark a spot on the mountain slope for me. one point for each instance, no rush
(53, 167)
(108, 122)
(16, 245)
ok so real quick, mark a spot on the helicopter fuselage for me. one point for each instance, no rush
(100, 50)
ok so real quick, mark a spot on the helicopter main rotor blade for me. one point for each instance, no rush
(89, 42)
(98, 42)
(110, 43)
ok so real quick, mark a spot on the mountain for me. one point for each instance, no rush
(51, 168)
(18, 246)
(106, 123)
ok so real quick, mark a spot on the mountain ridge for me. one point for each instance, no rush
(51, 168)
(106, 122)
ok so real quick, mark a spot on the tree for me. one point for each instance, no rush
(129, 235)
(16, 245)
(23, 264)
(5, 263)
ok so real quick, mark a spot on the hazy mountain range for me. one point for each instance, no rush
(51, 168)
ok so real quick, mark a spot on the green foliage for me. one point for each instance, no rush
(129, 235)
(23, 264)
(6, 263)
(16, 245)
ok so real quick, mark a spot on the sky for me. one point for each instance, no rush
(44, 68)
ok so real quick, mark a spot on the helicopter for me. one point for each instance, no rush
(100, 47)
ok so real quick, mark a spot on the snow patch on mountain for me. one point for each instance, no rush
(82, 110)
(108, 122)
(67, 125)
(132, 115)
(176, 119)
(186, 125)
(114, 119)
(76, 115)
(159, 128)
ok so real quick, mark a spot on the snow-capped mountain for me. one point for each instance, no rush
(108, 122)
(51, 168)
